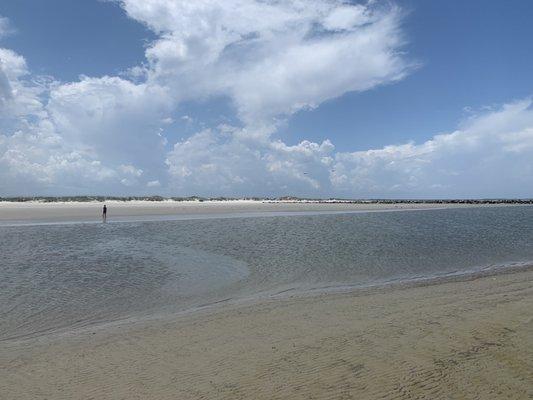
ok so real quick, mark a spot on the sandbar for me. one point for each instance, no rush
(58, 212)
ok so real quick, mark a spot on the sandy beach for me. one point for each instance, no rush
(470, 339)
(460, 337)
(118, 210)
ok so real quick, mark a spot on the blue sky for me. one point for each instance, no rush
(250, 98)
(471, 55)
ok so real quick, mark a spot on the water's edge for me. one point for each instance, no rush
(283, 295)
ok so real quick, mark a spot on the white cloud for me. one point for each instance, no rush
(5, 27)
(227, 161)
(76, 139)
(39, 158)
(18, 98)
(347, 17)
(270, 58)
(110, 134)
(187, 119)
(130, 170)
(31, 151)
(153, 184)
(490, 155)
(112, 118)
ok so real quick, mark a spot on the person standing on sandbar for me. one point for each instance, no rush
(104, 214)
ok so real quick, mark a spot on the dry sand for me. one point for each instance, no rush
(118, 210)
(469, 339)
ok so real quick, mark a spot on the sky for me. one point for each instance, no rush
(311, 98)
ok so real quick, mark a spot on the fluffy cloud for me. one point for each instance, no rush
(76, 140)
(18, 98)
(31, 151)
(228, 161)
(490, 155)
(113, 119)
(270, 58)
(38, 159)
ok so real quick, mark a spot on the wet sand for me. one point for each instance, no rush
(119, 210)
(470, 339)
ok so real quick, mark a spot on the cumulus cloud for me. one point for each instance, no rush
(228, 161)
(18, 97)
(490, 155)
(68, 143)
(31, 151)
(112, 118)
(270, 58)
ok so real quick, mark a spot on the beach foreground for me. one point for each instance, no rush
(470, 339)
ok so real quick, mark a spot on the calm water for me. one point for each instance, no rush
(55, 277)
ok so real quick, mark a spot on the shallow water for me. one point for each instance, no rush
(55, 277)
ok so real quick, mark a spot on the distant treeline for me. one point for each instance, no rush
(52, 199)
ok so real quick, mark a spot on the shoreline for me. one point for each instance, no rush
(454, 339)
(108, 327)
(465, 334)
(23, 213)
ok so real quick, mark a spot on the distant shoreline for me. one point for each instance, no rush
(284, 199)
(19, 213)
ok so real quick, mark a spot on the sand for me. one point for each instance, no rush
(470, 339)
(12, 212)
